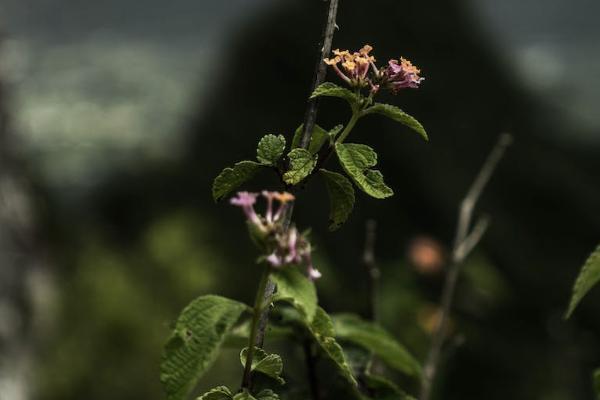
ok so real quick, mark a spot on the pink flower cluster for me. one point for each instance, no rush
(355, 68)
(285, 246)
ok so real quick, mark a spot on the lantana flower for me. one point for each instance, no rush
(358, 70)
(403, 74)
(284, 246)
(355, 65)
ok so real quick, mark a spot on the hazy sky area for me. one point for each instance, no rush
(91, 81)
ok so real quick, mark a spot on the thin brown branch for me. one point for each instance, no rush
(464, 242)
(371, 266)
(310, 118)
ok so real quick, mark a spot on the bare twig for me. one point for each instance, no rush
(464, 242)
(371, 266)
(310, 117)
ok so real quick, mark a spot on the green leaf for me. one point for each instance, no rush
(357, 159)
(267, 394)
(230, 178)
(332, 90)
(268, 364)
(341, 198)
(376, 339)
(588, 277)
(596, 379)
(322, 330)
(270, 149)
(301, 165)
(295, 288)
(397, 115)
(218, 393)
(195, 342)
(245, 395)
(317, 138)
(381, 388)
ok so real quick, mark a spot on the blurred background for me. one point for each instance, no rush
(115, 116)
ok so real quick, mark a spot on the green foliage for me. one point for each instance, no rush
(382, 388)
(376, 339)
(267, 394)
(588, 277)
(323, 333)
(268, 364)
(341, 198)
(302, 163)
(295, 288)
(231, 178)
(596, 379)
(357, 159)
(218, 393)
(317, 138)
(195, 342)
(245, 395)
(397, 115)
(329, 89)
(270, 149)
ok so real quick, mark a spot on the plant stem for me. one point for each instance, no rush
(259, 306)
(372, 269)
(310, 116)
(355, 116)
(464, 242)
(311, 369)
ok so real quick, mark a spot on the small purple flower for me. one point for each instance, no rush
(403, 74)
(246, 201)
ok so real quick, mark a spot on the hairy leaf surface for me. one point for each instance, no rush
(295, 288)
(332, 90)
(357, 160)
(231, 178)
(376, 339)
(317, 138)
(323, 332)
(270, 149)
(268, 364)
(341, 198)
(195, 342)
(301, 165)
(397, 115)
(588, 277)
(218, 393)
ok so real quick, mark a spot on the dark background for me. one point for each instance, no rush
(117, 116)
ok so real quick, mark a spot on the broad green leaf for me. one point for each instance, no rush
(397, 115)
(373, 337)
(341, 198)
(218, 393)
(332, 90)
(268, 364)
(588, 277)
(301, 165)
(245, 395)
(231, 178)
(195, 342)
(322, 330)
(270, 149)
(318, 137)
(381, 388)
(357, 159)
(267, 394)
(597, 382)
(295, 288)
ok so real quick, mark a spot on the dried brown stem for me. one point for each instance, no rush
(310, 118)
(464, 242)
